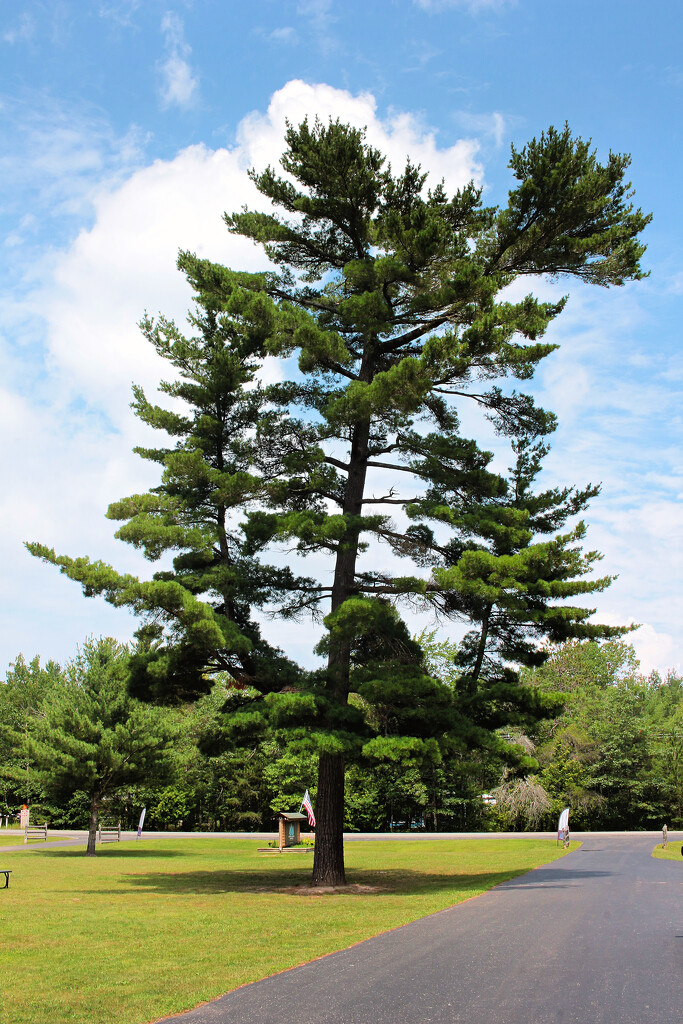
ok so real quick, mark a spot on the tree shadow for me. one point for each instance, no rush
(363, 884)
(123, 853)
(553, 878)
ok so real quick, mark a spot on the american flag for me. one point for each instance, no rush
(306, 802)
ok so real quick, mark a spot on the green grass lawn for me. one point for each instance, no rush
(672, 851)
(148, 929)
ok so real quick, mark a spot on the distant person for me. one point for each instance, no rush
(665, 836)
(565, 838)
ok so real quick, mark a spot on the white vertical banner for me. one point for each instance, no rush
(141, 822)
(563, 823)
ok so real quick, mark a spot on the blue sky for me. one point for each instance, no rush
(127, 128)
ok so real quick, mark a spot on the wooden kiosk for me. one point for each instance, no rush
(288, 834)
(289, 828)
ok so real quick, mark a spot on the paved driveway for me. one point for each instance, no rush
(594, 937)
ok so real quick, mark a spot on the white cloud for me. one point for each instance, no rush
(179, 84)
(656, 651)
(398, 135)
(125, 263)
(643, 542)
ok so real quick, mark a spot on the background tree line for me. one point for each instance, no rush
(611, 750)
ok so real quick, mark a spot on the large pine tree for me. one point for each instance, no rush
(389, 295)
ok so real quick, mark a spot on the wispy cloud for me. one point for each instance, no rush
(675, 284)
(318, 14)
(287, 35)
(673, 75)
(54, 156)
(472, 6)
(21, 31)
(179, 84)
(490, 125)
(121, 12)
(422, 54)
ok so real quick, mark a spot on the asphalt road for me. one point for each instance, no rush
(78, 837)
(594, 937)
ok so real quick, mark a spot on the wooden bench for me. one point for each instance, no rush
(109, 833)
(35, 832)
(6, 874)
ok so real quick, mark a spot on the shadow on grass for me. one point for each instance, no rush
(122, 853)
(290, 883)
(362, 883)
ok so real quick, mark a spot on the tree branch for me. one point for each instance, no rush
(417, 332)
(388, 465)
(335, 462)
(389, 501)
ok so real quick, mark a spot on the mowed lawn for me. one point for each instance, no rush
(147, 929)
(671, 852)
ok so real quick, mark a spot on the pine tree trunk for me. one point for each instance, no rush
(328, 862)
(92, 832)
(482, 644)
(328, 857)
